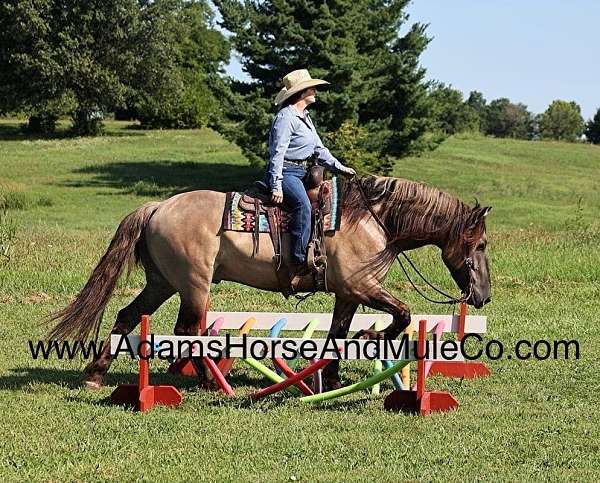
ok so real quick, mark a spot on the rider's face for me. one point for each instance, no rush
(310, 95)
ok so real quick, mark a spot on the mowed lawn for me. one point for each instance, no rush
(530, 420)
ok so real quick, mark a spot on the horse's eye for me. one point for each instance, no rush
(481, 246)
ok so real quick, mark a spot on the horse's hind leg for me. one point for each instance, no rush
(191, 310)
(154, 294)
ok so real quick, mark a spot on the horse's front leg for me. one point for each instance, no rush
(381, 299)
(343, 312)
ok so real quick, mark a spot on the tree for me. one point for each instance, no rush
(562, 121)
(90, 58)
(191, 55)
(505, 119)
(477, 103)
(70, 54)
(376, 81)
(592, 131)
(451, 113)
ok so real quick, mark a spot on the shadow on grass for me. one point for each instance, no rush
(166, 178)
(15, 131)
(21, 377)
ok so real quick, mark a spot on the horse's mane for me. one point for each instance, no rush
(410, 210)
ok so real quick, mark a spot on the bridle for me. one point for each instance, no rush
(450, 300)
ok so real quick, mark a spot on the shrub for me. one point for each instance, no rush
(8, 233)
(87, 122)
(44, 124)
(146, 188)
(189, 107)
(348, 144)
(15, 199)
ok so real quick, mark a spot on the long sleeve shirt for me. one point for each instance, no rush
(293, 136)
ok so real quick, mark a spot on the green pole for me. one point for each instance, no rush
(343, 391)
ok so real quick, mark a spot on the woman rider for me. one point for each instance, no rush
(292, 142)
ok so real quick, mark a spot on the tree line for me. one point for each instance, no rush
(561, 121)
(161, 62)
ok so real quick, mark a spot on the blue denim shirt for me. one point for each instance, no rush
(294, 136)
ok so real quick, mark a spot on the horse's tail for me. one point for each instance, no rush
(84, 315)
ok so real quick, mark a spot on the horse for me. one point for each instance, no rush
(182, 248)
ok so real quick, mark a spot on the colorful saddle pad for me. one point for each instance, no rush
(236, 218)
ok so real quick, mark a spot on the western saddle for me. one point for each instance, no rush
(257, 199)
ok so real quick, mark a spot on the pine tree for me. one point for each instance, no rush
(376, 81)
(592, 131)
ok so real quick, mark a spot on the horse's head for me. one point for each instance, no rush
(466, 259)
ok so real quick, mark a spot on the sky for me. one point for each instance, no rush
(531, 51)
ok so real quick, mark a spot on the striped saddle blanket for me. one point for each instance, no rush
(239, 215)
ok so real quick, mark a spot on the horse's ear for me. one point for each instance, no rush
(478, 216)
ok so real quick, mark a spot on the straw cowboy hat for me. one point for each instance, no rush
(294, 82)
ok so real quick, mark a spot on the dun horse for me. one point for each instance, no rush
(182, 248)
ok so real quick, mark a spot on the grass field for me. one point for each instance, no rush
(530, 420)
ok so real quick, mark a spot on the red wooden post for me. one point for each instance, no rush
(462, 369)
(143, 396)
(462, 315)
(420, 401)
(144, 375)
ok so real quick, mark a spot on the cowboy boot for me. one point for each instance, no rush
(297, 272)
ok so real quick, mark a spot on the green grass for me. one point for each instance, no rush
(530, 420)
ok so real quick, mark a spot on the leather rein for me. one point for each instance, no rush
(450, 300)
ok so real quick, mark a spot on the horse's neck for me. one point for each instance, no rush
(415, 237)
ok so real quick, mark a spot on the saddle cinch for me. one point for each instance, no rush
(257, 201)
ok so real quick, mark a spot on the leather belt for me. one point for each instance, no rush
(302, 162)
(299, 162)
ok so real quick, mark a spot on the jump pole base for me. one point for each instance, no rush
(461, 369)
(144, 400)
(143, 396)
(431, 401)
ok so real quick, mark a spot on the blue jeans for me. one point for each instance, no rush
(297, 203)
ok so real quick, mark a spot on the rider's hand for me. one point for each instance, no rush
(277, 197)
(347, 171)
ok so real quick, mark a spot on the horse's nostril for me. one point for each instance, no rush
(488, 300)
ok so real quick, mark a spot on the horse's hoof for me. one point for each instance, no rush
(332, 384)
(208, 385)
(370, 334)
(92, 385)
